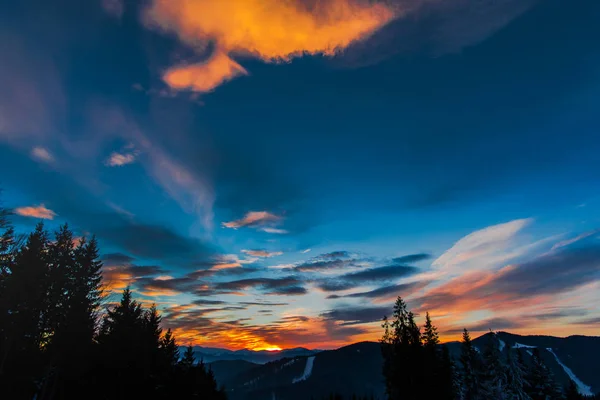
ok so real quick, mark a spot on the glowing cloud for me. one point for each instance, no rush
(36, 212)
(271, 30)
(206, 76)
(483, 247)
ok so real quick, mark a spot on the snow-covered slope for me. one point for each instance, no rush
(581, 387)
(310, 361)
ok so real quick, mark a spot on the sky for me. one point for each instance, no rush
(273, 174)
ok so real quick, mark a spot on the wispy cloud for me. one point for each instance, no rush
(271, 30)
(262, 253)
(260, 220)
(39, 211)
(42, 154)
(483, 247)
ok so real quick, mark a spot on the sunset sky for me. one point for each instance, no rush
(273, 173)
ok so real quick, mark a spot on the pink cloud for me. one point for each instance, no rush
(35, 212)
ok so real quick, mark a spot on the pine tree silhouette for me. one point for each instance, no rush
(471, 389)
(25, 300)
(494, 377)
(542, 384)
(402, 352)
(572, 393)
(517, 384)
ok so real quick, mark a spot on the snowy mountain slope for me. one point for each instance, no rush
(357, 369)
(581, 387)
(307, 370)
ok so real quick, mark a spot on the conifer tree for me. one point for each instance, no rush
(515, 375)
(494, 377)
(402, 352)
(60, 279)
(449, 384)
(188, 360)
(7, 243)
(121, 342)
(471, 389)
(572, 393)
(169, 348)
(542, 384)
(430, 336)
(72, 345)
(25, 301)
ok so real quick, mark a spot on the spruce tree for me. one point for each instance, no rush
(25, 302)
(494, 377)
(572, 393)
(7, 243)
(402, 353)
(515, 374)
(449, 385)
(542, 384)
(471, 389)
(122, 347)
(169, 348)
(73, 338)
(430, 336)
(188, 360)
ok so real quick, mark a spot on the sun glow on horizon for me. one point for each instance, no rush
(269, 348)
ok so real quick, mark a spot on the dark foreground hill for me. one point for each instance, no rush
(356, 369)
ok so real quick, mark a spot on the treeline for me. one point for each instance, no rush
(57, 341)
(416, 367)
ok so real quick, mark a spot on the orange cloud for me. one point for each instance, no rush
(271, 30)
(116, 279)
(36, 212)
(206, 76)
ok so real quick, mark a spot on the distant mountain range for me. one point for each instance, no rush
(212, 354)
(356, 369)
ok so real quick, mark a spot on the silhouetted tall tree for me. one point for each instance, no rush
(79, 294)
(572, 393)
(471, 385)
(7, 243)
(402, 352)
(542, 384)
(494, 376)
(515, 375)
(26, 308)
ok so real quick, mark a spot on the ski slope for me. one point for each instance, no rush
(522, 346)
(581, 387)
(307, 370)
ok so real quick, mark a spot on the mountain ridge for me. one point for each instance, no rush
(355, 369)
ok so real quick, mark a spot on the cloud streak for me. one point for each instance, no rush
(262, 253)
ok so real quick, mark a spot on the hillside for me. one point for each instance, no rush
(356, 369)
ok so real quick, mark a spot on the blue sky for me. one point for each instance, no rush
(260, 170)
